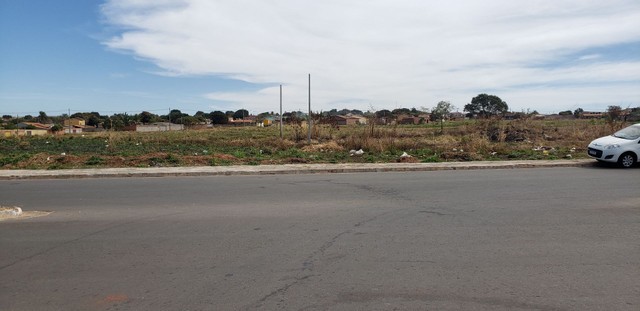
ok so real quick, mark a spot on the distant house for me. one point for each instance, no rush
(24, 132)
(384, 120)
(271, 120)
(75, 122)
(633, 115)
(241, 122)
(92, 129)
(266, 122)
(9, 133)
(344, 120)
(34, 125)
(154, 127)
(425, 116)
(74, 129)
(361, 119)
(558, 117)
(410, 120)
(628, 114)
(455, 116)
(592, 115)
(79, 129)
(245, 121)
(74, 126)
(32, 129)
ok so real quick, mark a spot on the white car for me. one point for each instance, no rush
(623, 147)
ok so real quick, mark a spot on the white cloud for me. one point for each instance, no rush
(590, 57)
(385, 54)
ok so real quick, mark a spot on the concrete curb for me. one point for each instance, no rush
(285, 169)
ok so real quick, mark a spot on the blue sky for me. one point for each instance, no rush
(140, 55)
(53, 60)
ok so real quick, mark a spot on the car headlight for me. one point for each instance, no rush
(609, 147)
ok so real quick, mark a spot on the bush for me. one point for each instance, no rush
(94, 161)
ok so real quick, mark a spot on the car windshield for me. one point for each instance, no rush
(631, 132)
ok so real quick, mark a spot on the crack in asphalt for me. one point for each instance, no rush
(308, 263)
(282, 289)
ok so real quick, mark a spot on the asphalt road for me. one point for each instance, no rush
(523, 239)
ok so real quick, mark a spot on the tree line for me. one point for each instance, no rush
(481, 106)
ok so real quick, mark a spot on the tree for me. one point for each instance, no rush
(175, 115)
(188, 120)
(42, 117)
(400, 111)
(93, 120)
(241, 114)
(344, 112)
(441, 111)
(218, 117)
(485, 105)
(118, 124)
(614, 113)
(56, 128)
(201, 116)
(146, 117)
(383, 113)
(119, 121)
(382, 117)
(565, 113)
(578, 113)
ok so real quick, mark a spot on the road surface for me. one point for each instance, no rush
(524, 239)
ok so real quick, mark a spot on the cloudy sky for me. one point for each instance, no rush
(134, 55)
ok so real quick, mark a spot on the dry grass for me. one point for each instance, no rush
(460, 141)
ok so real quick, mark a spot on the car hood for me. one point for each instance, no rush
(608, 140)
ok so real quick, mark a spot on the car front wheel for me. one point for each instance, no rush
(627, 160)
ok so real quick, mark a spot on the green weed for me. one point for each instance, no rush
(94, 160)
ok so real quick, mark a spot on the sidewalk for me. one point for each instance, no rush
(285, 169)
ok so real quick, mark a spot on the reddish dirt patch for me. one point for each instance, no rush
(227, 157)
(407, 160)
(113, 299)
(298, 160)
